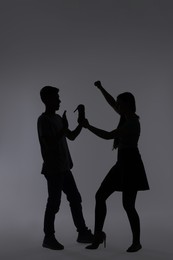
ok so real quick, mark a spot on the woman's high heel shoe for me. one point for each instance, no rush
(98, 239)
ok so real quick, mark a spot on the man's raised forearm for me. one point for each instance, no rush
(73, 134)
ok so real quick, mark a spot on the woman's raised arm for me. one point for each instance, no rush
(111, 101)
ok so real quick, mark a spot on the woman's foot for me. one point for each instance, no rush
(134, 248)
(99, 238)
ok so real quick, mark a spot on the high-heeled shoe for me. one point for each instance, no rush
(99, 238)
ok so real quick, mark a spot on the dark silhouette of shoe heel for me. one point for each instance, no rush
(81, 113)
(98, 239)
(104, 242)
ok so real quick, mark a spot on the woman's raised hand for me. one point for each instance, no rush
(98, 84)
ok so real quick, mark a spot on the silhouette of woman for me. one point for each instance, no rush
(128, 174)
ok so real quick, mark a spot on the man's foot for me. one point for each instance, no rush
(134, 248)
(85, 237)
(52, 243)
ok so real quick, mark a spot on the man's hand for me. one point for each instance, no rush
(65, 121)
(98, 84)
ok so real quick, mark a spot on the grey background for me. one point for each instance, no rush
(70, 44)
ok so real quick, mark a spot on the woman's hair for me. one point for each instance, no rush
(129, 99)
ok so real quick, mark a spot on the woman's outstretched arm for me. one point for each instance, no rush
(111, 101)
(99, 132)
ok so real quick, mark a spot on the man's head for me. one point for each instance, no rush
(50, 97)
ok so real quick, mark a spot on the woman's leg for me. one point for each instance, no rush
(106, 189)
(129, 198)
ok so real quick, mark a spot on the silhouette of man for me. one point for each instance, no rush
(57, 165)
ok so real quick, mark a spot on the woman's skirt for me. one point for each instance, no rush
(129, 172)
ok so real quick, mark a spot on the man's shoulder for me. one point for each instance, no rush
(46, 119)
(44, 116)
(41, 116)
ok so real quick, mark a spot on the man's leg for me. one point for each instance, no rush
(54, 184)
(75, 200)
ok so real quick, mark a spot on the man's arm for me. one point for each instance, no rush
(111, 101)
(47, 141)
(71, 135)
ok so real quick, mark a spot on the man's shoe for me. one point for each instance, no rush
(85, 237)
(52, 243)
(134, 248)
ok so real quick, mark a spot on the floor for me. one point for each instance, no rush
(24, 241)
